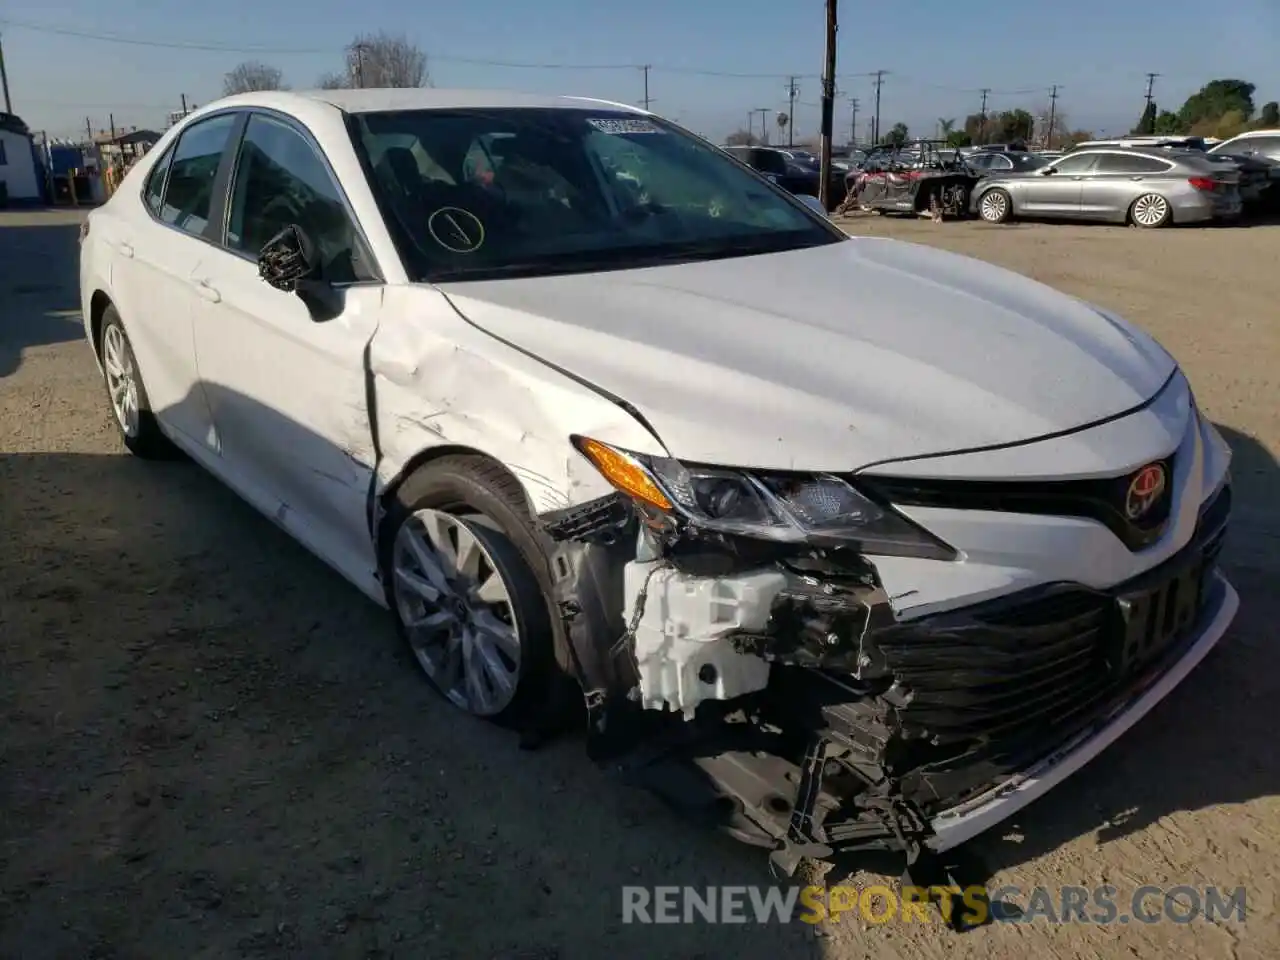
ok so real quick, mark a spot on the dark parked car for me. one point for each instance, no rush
(793, 176)
(985, 162)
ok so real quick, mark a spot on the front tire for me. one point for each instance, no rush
(127, 395)
(1150, 211)
(995, 206)
(468, 580)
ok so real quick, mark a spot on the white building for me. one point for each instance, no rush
(18, 174)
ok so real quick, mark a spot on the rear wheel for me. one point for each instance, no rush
(1150, 210)
(128, 395)
(995, 206)
(468, 580)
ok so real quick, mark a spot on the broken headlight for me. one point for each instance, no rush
(820, 509)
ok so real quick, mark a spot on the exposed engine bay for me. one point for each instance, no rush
(771, 690)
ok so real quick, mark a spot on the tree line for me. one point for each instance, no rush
(1221, 108)
(369, 60)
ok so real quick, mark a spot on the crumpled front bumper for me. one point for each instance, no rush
(958, 824)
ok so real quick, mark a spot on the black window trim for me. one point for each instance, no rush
(219, 184)
(292, 123)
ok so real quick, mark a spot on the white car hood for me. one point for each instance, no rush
(832, 357)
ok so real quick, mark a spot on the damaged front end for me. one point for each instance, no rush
(741, 658)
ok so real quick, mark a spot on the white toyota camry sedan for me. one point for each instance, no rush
(849, 542)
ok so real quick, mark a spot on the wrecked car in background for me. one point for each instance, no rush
(923, 177)
(869, 567)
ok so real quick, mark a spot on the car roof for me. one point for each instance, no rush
(417, 98)
(1250, 134)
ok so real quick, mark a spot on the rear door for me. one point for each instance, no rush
(155, 270)
(1118, 179)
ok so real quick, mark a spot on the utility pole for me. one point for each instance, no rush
(751, 125)
(646, 68)
(853, 122)
(360, 65)
(184, 103)
(4, 80)
(1151, 83)
(1053, 114)
(982, 114)
(875, 126)
(792, 92)
(828, 107)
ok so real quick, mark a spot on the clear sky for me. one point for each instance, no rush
(712, 62)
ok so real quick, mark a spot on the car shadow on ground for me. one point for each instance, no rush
(39, 289)
(211, 745)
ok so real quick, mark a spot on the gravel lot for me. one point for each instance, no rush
(212, 747)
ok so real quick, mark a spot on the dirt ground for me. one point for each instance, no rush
(210, 746)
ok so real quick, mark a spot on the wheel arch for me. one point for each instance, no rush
(98, 304)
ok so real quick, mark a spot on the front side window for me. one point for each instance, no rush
(471, 194)
(188, 196)
(155, 182)
(281, 180)
(3, 159)
(1267, 146)
(1076, 163)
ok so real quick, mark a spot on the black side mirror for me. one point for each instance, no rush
(289, 263)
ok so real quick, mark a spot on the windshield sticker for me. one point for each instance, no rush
(457, 230)
(623, 127)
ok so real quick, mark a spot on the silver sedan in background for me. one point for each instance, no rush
(1148, 188)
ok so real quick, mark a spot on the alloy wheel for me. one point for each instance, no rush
(1150, 210)
(457, 610)
(122, 381)
(994, 206)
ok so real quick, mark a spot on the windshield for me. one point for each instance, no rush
(478, 194)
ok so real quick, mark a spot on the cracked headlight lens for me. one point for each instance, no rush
(821, 509)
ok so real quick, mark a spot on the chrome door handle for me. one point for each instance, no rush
(208, 292)
(125, 249)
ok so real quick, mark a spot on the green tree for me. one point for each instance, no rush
(1012, 125)
(1215, 100)
(897, 136)
(1269, 116)
(1167, 124)
(945, 126)
(959, 138)
(1147, 122)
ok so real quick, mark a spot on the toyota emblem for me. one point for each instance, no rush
(1144, 491)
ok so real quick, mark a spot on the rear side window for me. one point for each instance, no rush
(1119, 163)
(155, 182)
(189, 194)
